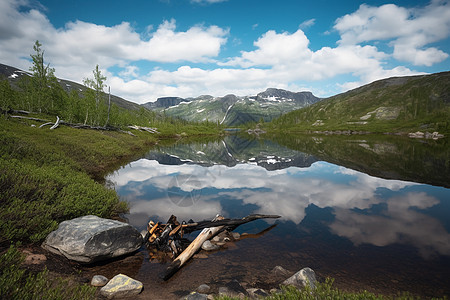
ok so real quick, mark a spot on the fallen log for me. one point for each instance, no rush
(142, 128)
(231, 224)
(204, 235)
(29, 118)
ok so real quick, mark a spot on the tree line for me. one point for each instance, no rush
(43, 93)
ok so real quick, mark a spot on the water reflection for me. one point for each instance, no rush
(365, 209)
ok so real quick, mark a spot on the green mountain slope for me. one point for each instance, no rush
(399, 104)
(14, 76)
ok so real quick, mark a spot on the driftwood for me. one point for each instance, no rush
(142, 128)
(231, 224)
(54, 124)
(204, 235)
(169, 236)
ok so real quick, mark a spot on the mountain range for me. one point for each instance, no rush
(233, 110)
(397, 104)
(229, 110)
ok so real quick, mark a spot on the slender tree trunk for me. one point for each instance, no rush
(109, 105)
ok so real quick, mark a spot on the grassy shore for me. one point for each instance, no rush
(48, 176)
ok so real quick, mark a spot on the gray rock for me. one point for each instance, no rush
(89, 239)
(99, 280)
(280, 272)
(208, 246)
(203, 289)
(233, 289)
(121, 286)
(195, 296)
(257, 293)
(302, 278)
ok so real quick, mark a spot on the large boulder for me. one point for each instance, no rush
(89, 239)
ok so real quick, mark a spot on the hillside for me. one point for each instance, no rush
(15, 75)
(232, 110)
(399, 104)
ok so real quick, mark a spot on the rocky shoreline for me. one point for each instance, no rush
(417, 135)
(122, 286)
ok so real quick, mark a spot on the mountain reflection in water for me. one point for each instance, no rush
(321, 202)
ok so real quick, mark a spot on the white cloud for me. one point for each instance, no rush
(279, 59)
(75, 49)
(274, 49)
(409, 31)
(306, 24)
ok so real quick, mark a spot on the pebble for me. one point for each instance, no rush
(99, 280)
(203, 289)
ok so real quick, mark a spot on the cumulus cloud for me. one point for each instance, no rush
(76, 48)
(409, 31)
(278, 59)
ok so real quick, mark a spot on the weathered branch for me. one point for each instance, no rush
(56, 123)
(142, 128)
(231, 223)
(204, 235)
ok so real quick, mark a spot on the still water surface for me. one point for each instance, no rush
(382, 234)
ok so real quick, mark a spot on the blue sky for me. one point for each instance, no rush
(155, 48)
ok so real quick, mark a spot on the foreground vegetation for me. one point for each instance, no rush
(326, 290)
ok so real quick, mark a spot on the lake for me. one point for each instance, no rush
(372, 212)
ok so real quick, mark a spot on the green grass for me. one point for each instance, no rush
(326, 290)
(17, 283)
(47, 176)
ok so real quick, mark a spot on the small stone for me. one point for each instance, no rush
(275, 291)
(233, 289)
(203, 289)
(208, 246)
(121, 286)
(257, 293)
(196, 296)
(302, 278)
(235, 235)
(34, 259)
(99, 280)
(279, 271)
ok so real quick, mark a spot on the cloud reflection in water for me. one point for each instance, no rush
(288, 192)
